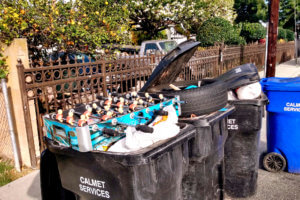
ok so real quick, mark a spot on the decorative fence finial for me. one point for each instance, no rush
(20, 64)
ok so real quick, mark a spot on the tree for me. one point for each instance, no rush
(152, 16)
(194, 13)
(68, 25)
(287, 14)
(250, 10)
(252, 32)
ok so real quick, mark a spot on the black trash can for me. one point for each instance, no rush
(50, 181)
(205, 176)
(242, 147)
(154, 172)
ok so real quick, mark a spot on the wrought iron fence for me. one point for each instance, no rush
(63, 86)
(60, 86)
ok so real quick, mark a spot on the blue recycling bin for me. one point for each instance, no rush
(283, 124)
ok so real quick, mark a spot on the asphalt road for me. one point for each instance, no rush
(276, 186)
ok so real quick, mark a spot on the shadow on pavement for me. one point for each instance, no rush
(34, 190)
(262, 152)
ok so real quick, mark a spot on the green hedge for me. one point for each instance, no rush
(281, 34)
(289, 35)
(217, 31)
(252, 32)
(285, 34)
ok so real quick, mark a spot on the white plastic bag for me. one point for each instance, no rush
(162, 129)
(166, 129)
(251, 91)
(231, 95)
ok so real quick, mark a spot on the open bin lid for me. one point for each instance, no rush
(171, 65)
(281, 84)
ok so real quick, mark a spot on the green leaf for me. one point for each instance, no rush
(24, 25)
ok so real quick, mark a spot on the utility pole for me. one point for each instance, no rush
(272, 39)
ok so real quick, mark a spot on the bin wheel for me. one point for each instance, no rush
(274, 162)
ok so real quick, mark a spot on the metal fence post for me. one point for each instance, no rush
(221, 59)
(10, 125)
(28, 125)
(242, 55)
(103, 70)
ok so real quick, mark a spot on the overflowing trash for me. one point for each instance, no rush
(138, 153)
(164, 127)
(135, 145)
(242, 82)
(251, 91)
(141, 119)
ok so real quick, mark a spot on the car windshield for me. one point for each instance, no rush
(168, 45)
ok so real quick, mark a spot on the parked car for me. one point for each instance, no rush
(163, 46)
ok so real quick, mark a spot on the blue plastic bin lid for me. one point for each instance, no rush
(280, 84)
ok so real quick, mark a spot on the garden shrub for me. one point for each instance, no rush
(252, 32)
(281, 34)
(235, 38)
(3, 67)
(289, 35)
(218, 31)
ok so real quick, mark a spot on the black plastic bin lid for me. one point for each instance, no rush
(171, 65)
(239, 76)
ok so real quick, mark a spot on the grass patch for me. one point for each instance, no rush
(5, 175)
(9, 174)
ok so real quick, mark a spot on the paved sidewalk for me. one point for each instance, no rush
(287, 69)
(25, 188)
(271, 186)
